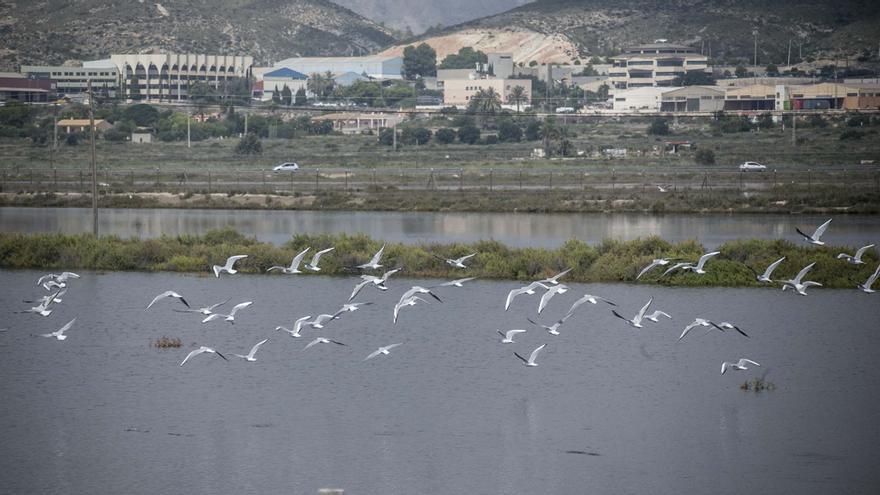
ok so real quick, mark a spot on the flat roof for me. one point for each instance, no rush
(340, 60)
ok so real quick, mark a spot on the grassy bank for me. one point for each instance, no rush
(610, 261)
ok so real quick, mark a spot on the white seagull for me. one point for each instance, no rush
(703, 259)
(49, 298)
(410, 301)
(322, 340)
(654, 263)
(455, 283)
(554, 280)
(382, 350)
(167, 293)
(377, 282)
(636, 321)
(231, 316)
(529, 289)
(589, 298)
(554, 328)
(797, 285)
(373, 264)
(250, 356)
(552, 291)
(228, 266)
(866, 287)
(313, 265)
(458, 262)
(297, 326)
(293, 269)
(319, 320)
(531, 360)
(656, 315)
(730, 326)
(417, 289)
(814, 239)
(350, 308)
(200, 350)
(739, 365)
(41, 309)
(698, 322)
(765, 277)
(207, 310)
(507, 337)
(857, 259)
(59, 334)
(661, 188)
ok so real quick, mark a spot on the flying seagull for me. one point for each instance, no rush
(552, 291)
(297, 326)
(228, 266)
(49, 298)
(373, 264)
(417, 289)
(200, 350)
(698, 322)
(350, 308)
(797, 285)
(765, 277)
(382, 350)
(507, 337)
(531, 360)
(529, 289)
(857, 259)
(636, 321)
(42, 308)
(739, 365)
(589, 298)
(554, 328)
(377, 282)
(654, 263)
(730, 326)
(555, 278)
(322, 340)
(702, 262)
(293, 269)
(814, 239)
(250, 356)
(231, 316)
(60, 279)
(661, 188)
(207, 310)
(656, 315)
(866, 287)
(410, 301)
(167, 293)
(455, 283)
(458, 262)
(59, 334)
(313, 265)
(319, 320)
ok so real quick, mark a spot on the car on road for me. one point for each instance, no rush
(752, 167)
(286, 167)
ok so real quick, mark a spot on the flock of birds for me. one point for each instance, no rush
(57, 285)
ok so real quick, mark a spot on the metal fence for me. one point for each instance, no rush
(604, 182)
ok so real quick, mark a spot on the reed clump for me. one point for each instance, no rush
(166, 343)
(757, 385)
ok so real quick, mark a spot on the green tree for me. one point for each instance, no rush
(300, 98)
(469, 134)
(286, 96)
(485, 102)
(249, 145)
(740, 71)
(772, 70)
(517, 96)
(202, 93)
(142, 115)
(419, 61)
(694, 78)
(658, 127)
(415, 135)
(704, 157)
(321, 85)
(533, 131)
(549, 132)
(386, 136)
(509, 131)
(444, 135)
(466, 58)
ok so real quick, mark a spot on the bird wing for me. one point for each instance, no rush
(772, 267)
(647, 269)
(388, 274)
(294, 264)
(521, 358)
(799, 231)
(212, 317)
(357, 289)
(191, 354)
(314, 342)
(545, 299)
(821, 230)
(232, 259)
(575, 305)
(456, 282)
(46, 277)
(397, 307)
(376, 257)
(724, 367)
(464, 258)
(213, 306)
(743, 361)
(689, 328)
(217, 269)
(676, 267)
(317, 256)
(615, 313)
(392, 346)
(534, 353)
(803, 273)
(510, 333)
(642, 311)
(66, 327)
(873, 277)
(373, 354)
(335, 342)
(257, 346)
(862, 250)
(165, 294)
(704, 258)
(556, 277)
(239, 306)
(510, 295)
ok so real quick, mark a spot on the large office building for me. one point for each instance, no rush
(374, 67)
(75, 80)
(655, 64)
(458, 92)
(26, 89)
(167, 76)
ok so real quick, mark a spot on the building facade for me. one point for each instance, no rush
(373, 67)
(275, 81)
(458, 92)
(692, 99)
(168, 76)
(75, 80)
(26, 89)
(356, 123)
(645, 99)
(655, 64)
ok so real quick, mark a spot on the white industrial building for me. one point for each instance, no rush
(647, 99)
(374, 67)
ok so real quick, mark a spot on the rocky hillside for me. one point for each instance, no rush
(53, 31)
(421, 15)
(818, 28)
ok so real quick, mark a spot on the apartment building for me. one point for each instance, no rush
(655, 64)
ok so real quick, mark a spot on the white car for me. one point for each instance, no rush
(752, 167)
(286, 167)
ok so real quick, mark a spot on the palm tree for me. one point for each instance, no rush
(517, 96)
(485, 101)
(549, 132)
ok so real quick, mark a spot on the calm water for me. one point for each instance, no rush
(449, 412)
(515, 229)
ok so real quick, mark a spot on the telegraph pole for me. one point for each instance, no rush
(245, 125)
(789, 54)
(94, 161)
(755, 32)
(793, 128)
(188, 145)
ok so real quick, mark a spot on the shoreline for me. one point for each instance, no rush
(610, 261)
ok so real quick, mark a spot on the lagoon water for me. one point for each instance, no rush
(514, 229)
(610, 409)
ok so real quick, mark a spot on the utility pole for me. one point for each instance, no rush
(188, 144)
(394, 135)
(54, 133)
(245, 125)
(755, 33)
(789, 54)
(93, 160)
(793, 128)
